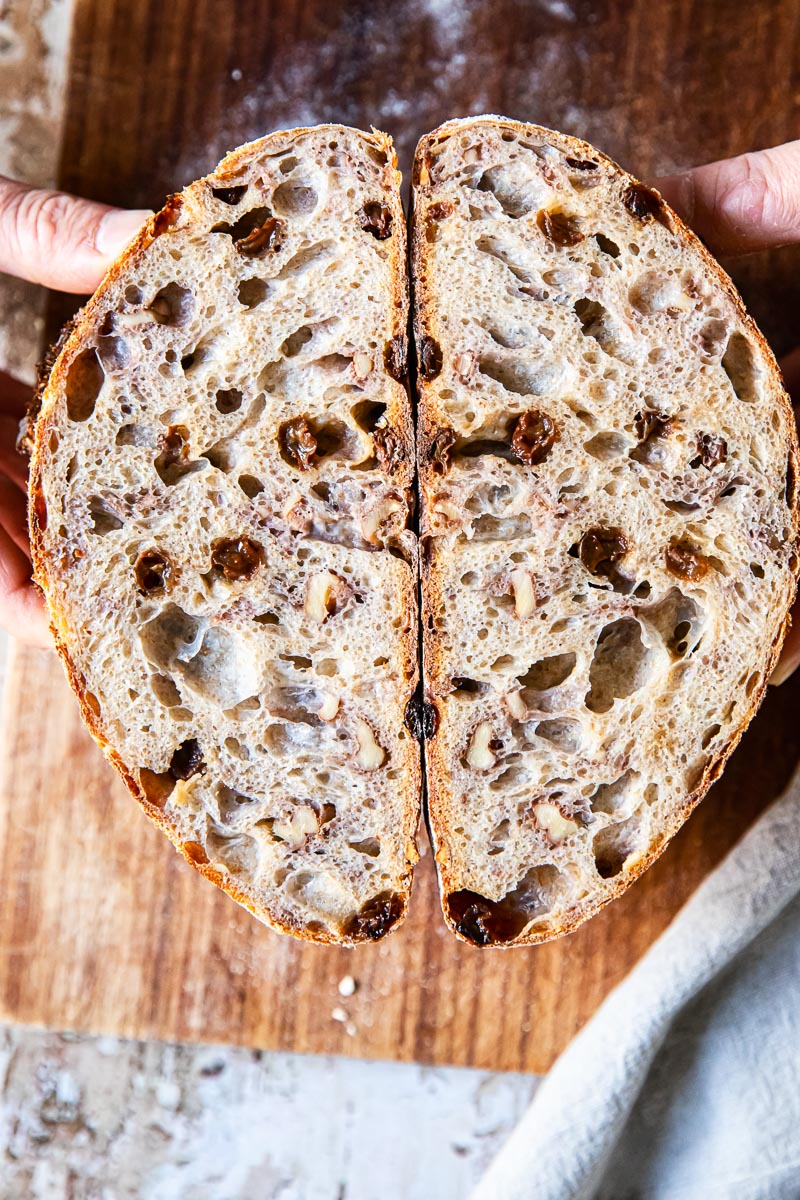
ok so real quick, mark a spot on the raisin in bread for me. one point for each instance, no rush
(608, 530)
(219, 507)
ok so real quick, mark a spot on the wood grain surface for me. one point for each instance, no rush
(103, 926)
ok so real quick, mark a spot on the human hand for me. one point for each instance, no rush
(736, 206)
(64, 243)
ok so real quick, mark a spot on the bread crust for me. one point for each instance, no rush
(425, 324)
(49, 397)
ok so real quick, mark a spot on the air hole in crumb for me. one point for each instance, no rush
(173, 305)
(549, 672)
(267, 618)
(228, 400)
(229, 195)
(709, 735)
(84, 381)
(609, 798)
(294, 198)
(165, 690)
(607, 446)
(620, 665)
(513, 199)
(104, 518)
(563, 733)
(369, 846)
(607, 245)
(367, 414)
(295, 342)
(614, 845)
(250, 485)
(252, 292)
(468, 687)
(738, 363)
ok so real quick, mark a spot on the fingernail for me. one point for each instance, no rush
(117, 228)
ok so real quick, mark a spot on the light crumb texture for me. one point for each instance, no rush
(608, 525)
(219, 509)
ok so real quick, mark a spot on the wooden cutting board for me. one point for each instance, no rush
(102, 926)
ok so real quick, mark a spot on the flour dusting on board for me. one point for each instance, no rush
(312, 81)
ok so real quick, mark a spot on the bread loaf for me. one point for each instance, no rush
(220, 489)
(608, 527)
(220, 502)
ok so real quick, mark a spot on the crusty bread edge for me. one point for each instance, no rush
(424, 322)
(69, 343)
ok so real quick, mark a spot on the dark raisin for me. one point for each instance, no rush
(376, 219)
(440, 451)
(644, 203)
(439, 211)
(712, 451)
(430, 358)
(229, 195)
(582, 164)
(430, 720)
(421, 719)
(237, 558)
(297, 443)
(485, 922)
(261, 240)
(412, 718)
(533, 437)
(176, 445)
(187, 760)
(255, 233)
(558, 228)
(394, 358)
(685, 562)
(601, 549)
(171, 462)
(375, 918)
(651, 422)
(388, 449)
(153, 571)
(168, 215)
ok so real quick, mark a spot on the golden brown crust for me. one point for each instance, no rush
(424, 317)
(57, 362)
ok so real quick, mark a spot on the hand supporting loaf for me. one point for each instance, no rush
(737, 206)
(65, 243)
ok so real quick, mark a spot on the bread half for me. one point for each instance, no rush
(609, 522)
(220, 490)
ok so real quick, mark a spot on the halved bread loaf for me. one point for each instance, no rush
(608, 527)
(219, 507)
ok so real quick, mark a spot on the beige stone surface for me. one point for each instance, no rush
(103, 1119)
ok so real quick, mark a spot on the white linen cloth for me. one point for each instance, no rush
(685, 1085)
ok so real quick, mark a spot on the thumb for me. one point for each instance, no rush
(59, 240)
(751, 202)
